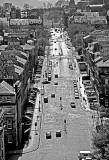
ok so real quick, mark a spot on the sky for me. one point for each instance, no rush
(35, 3)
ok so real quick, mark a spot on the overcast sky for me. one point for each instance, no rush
(35, 3)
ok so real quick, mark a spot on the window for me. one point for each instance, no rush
(106, 81)
(9, 123)
(106, 103)
(106, 91)
(0, 99)
(8, 99)
(0, 145)
(10, 139)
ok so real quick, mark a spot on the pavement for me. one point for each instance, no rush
(84, 99)
(35, 130)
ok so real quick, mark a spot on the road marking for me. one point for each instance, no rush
(73, 116)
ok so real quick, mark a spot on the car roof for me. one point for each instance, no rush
(84, 152)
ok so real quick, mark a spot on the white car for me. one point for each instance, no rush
(83, 155)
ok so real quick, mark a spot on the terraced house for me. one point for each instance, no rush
(97, 57)
(16, 67)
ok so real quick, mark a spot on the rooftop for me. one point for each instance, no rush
(103, 63)
(3, 47)
(18, 69)
(99, 58)
(1, 114)
(27, 47)
(5, 88)
(96, 5)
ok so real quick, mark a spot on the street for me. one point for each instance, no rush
(74, 124)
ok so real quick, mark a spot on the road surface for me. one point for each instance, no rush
(76, 132)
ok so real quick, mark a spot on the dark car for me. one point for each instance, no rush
(45, 99)
(76, 96)
(58, 133)
(75, 84)
(48, 135)
(72, 104)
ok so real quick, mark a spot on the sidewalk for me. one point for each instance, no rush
(36, 118)
(85, 103)
(84, 99)
(34, 140)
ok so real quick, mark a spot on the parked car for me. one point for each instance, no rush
(85, 155)
(75, 84)
(55, 83)
(74, 81)
(76, 96)
(71, 67)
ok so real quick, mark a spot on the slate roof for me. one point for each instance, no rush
(24, 54)
(96, 5)
(96, 60)
(18, 69)
(27, 47)
(103, 63)
(3, 47)
(5, 88)
(21, 60)
(1, 112)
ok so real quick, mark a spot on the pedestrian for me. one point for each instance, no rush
(35, 128)
(65, 128)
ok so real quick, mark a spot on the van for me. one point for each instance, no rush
(85, 155)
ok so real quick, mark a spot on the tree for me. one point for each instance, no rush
(76, 31)
(26, 6)
(101, 140)
(43, 36)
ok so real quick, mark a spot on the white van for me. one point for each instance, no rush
(85, 155)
